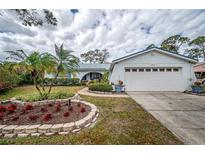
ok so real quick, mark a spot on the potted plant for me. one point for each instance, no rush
(197, 87)
(119, 87)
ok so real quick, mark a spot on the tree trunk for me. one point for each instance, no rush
(36, 85)
(49, 91)
(204, 55)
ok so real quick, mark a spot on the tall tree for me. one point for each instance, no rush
(173, 43)
(66, 62)
(37, 64)
(198, 47)
(33, 17)
(95, 56)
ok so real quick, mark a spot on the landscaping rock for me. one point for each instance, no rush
(80, 123)
(36, 134)
(22, 135)
(76, 130)
(63, 133)
(44, 128)
(8, 129)
(87, 125)
(10, 135)
(48, 134)
(32, 129)
(2, 126)
(67, 127)
(21, 129)
(56, 128)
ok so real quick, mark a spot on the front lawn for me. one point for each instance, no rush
(121, 121)
(27, 91)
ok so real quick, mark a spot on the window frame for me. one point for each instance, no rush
(126, 70)
(157, 70)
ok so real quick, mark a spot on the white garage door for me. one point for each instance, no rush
(153, 79)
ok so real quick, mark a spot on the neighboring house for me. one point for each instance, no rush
(86, 72)
(154, 70)
(199, 70)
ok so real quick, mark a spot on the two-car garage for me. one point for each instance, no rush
(153, 70)
(153, 79)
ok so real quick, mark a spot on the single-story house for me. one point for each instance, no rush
(86, 72)
(153, 69)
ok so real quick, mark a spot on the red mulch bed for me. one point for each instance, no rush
(51, 113)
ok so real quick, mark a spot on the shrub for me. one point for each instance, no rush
(63, 81)
(60, 95)
(11, 108)
(66, 114)
(14, 106)
(43, 109)
(33, 117)
(25, 79)
(15, 118)
(23, 111)
(4, 88)
(29, 107)
(103, 87)
(50, 105)
(82, 109)
(70, 108)
(1, 116)
(33, 98)
(47, 117)
(58, 108)
(3, 108)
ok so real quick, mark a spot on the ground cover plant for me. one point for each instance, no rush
(120, 121)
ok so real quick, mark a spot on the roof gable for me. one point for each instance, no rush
(179, 56)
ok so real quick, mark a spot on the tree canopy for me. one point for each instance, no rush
(173, 43)
(33, 17)
(95, 56)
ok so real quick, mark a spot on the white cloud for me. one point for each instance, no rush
(120, 31)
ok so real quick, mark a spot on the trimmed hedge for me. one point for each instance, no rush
(63, 82)
(104, 87)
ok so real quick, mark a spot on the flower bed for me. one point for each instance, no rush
(45, 117)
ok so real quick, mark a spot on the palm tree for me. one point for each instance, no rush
(35, 64)
(66, 62)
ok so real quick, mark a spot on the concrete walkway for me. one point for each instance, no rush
(85, 91)
(183, 114)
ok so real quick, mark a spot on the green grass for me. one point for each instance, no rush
(30, 91)
(121, 121)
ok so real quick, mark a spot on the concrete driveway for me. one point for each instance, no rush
(183, 114)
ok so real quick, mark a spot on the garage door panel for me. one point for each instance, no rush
(153, 81)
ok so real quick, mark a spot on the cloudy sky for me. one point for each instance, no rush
(120, 31)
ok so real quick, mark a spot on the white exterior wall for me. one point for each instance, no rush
(154, 59)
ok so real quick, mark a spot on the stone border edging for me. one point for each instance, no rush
(10, 131)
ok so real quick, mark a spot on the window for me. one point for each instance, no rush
(127, 70)
(154, 70)
(141, 70)
(176, 70)
(134, 70)
(169, 69)
(161, 69)
(148, 70)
